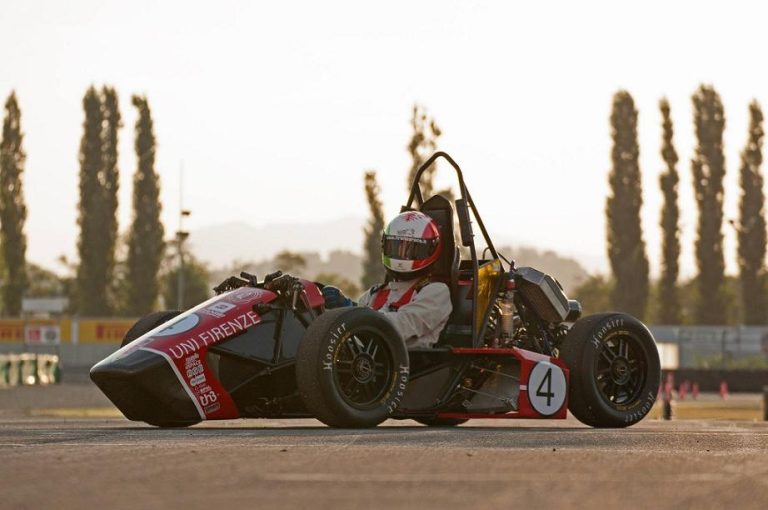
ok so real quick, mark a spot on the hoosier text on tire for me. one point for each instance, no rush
(351, 368)
(614, 370)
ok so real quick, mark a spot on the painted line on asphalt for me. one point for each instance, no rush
(472, 477)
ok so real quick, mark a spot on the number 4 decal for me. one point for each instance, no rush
(548, 394)
(549, 381)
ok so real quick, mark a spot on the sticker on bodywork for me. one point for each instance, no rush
(546, 388)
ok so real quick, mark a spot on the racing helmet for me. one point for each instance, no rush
(410, 245)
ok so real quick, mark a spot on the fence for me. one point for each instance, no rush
(713, 346)
(81, 342)
(77, 343)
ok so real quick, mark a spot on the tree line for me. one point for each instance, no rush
(711, 297)
(126, 275)
(114, 275)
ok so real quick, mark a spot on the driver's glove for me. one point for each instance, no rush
(334, 298)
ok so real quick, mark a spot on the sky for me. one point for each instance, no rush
(275, 109)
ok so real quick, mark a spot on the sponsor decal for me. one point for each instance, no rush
(182, 326)
(546, 388)
(42, 334)
(207, 398)
(218, 309)
(212, 408)
(212, 335)
(246, 295)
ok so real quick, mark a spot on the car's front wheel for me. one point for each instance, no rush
(351, 368)
(147, 324)
(614, 370)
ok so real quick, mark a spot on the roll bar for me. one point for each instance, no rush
(463, 206)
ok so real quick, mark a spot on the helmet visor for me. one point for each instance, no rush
(408, 248)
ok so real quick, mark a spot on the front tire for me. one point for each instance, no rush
(614, 370)
(351, 368)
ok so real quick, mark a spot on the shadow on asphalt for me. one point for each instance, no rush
(386, 430)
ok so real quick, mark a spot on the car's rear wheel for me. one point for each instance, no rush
(148, 323)
(351, 368)
(614, 370)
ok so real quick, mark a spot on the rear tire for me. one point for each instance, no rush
(148, 323)
(351, 368)
(614, 370)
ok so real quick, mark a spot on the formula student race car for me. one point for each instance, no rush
(514, 347)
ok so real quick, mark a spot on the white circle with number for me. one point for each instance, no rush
(181, 326)
(546, 388)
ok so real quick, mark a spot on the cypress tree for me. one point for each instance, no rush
(708, 168)
(422, 144)
(91, 284)
(145, 239)
(98, 202)
(751, 229)
(669, 299)
(111, 177)
(626, 247)
(373, 269)
(13, 211)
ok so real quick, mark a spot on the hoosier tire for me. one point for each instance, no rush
(351, 368)
(614, 370)
(148, 323)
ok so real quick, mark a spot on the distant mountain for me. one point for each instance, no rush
(333, 247)
(220, 245)
(568, 271)
(341, 263)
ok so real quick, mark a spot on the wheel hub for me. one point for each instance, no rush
(620, 370)
(362, 368)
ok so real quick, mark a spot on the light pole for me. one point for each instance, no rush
(181, 236)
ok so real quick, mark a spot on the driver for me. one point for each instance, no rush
(418, 307)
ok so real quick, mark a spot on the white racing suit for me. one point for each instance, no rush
(418, 309)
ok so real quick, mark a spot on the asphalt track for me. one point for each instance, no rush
(48, 462)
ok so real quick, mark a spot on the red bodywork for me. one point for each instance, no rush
(185, 342)
(527, 361)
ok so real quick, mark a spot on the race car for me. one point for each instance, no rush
(514, 347)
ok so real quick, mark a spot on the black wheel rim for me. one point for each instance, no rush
(363, 369)
(620, 369)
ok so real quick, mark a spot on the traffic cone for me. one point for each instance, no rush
(666, 409)
(682, 392)
(723, 390)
